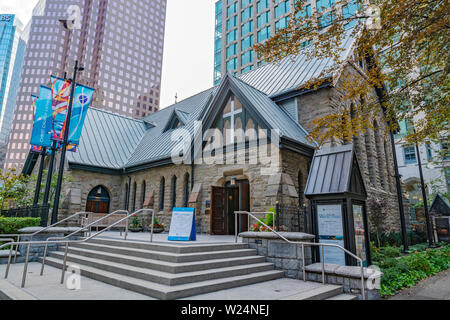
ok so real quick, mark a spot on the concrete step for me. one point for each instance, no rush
(166, 292)
(170, 248)
(165, 266)
(162, 277)
(165, 256)
(322, 293)
(343, 296)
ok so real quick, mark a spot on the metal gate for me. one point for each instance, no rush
(291, 218)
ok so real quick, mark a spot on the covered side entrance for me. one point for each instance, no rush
(98, 200)
(234, 196)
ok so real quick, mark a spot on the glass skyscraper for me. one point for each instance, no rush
(12, 49)
(119, 44)
(242, 23)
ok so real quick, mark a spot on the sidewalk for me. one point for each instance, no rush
(434, 288)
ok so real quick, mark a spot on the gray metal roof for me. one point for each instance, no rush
(272, 113)
(289, 74)
(333, 171)
(107, 140)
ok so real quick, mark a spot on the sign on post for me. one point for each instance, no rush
(182, 227)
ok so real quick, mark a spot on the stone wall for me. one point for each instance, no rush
(373, 148)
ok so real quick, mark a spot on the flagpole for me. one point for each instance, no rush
(39, 178)
(64, 146)
(49, 175)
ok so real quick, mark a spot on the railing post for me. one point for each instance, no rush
(235, 227)
(9, 261)
(25, 268)
(323, 264)
(363, 286)
(17, 249)
(64, 263)
(153, 224)
(43, 258)
(277, 215)
(303, 261)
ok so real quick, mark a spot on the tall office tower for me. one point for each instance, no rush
(242, 23)
(12, 49)
(119, 44)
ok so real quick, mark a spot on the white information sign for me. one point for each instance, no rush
(331, 230)
(182, 227)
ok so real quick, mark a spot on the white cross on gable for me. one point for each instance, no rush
(232, 115)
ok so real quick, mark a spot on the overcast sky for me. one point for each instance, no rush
(188, 50)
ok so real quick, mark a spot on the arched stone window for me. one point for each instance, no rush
(143, 191)
(161, 193)
(174, 191)
(301, 190)
(133, 203)
(126, 196)
(186, 189)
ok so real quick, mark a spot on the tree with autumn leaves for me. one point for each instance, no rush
(404, 44)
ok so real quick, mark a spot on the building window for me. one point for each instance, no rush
(232, 64)
(231, 23)
(247, 14)
(134, 198)
(127, 192)
(174, 191)
(410, 154)
(263, 34)
(263, 19)
(231, 36)
(231, 50)
(247, 57)
(247, 43)
(143, 187)
(281, 9)
(162, 189)
(232, 9)
(281, 24)
(186, 189)
(247, 28)
(445, 147)
(429, 152)
(263, 5)
(322, 5)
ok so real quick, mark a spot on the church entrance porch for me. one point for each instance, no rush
(98, 200)
(234, 196)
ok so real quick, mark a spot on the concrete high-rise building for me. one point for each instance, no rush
(12, 49)
(242, 23)
(119, 44)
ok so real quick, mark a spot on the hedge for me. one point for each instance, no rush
(13, 225)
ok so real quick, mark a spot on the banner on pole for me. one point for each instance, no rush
(81, 103)
(42, 127)
(60, 102)
(61, 97)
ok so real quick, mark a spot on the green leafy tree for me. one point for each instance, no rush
(404, 44)
(14, 189)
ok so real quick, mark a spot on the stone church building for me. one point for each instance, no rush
(124, 163)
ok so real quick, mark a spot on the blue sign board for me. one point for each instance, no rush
(182, 227)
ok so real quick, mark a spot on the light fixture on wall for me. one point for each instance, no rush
(233, 181)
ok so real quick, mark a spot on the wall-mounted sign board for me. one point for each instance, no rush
(182, 227)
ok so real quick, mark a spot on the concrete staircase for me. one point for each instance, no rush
(166, 271)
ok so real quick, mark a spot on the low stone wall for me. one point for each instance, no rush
(286, 256)
(37, 250)
(289, 258)
(348, 277)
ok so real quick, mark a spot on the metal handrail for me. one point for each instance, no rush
(34, 234)
(75, 241)
(313, 244)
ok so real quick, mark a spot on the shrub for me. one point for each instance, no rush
(405, 271)
(13, 225)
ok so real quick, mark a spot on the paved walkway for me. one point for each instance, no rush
(434, 288)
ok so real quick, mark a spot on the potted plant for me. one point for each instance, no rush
(135, 224)
(158, 227)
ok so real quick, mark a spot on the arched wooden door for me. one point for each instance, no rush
(98, 200)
